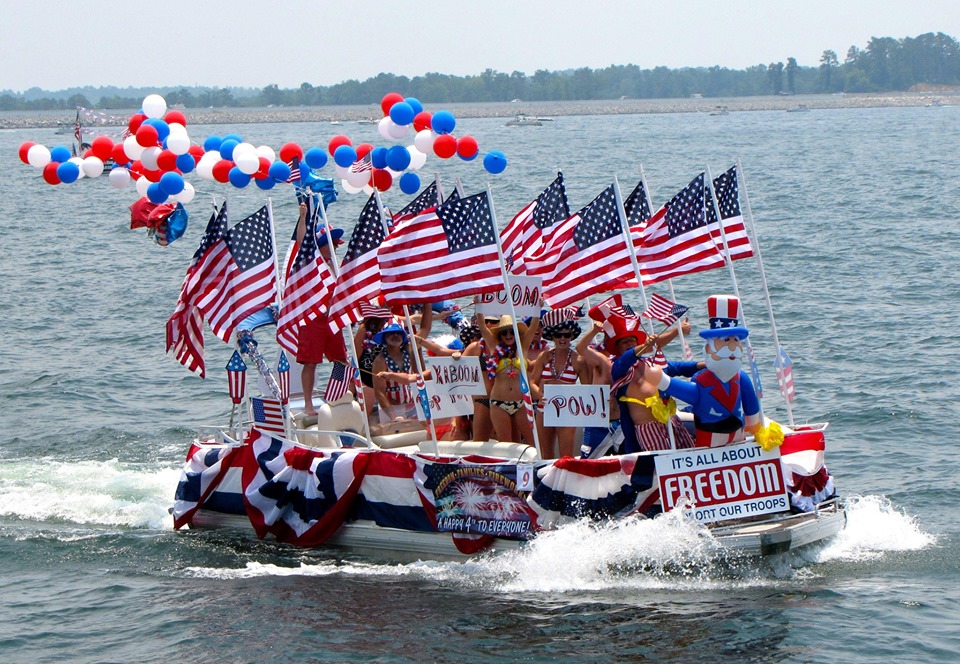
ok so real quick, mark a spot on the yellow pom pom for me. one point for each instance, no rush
(661, 411)
(769, 436)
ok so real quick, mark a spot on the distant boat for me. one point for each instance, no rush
(368, 122)
(522, 120)
(720, 110)
(799, 108)
(934, 103)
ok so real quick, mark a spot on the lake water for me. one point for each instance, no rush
(857, 213)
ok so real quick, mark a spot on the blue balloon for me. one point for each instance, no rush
(414, 104)
(266, 183)
(344, 155)
(233, 137)
(171, 183)
(186, 162)
(68, 172)
(155, 194)
(409, 183)
(163, 129)
(443, 122)
(316, 158)
(398, 157)
(279, 171)
(212, 142)
(495, 161)
(470, 158)
(226, 148)
(378, 157)
(238, 178)
(402, 113)
(59, 154)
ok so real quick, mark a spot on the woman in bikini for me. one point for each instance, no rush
(560, 365)
(503, 368)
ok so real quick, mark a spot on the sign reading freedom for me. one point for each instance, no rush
(723, 482)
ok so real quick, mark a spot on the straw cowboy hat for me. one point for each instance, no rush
(506, 322)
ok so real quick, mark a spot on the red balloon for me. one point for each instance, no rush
(24, 149)
(221, 170)
(175, 116)
(389, 100)
(196, 151)
(290, 150)
(166, 160)
(445, 146)
(135, 121)
(264, 169)
(363, 150)
(147, 136)
(50, 173)
(382, 179)
(136, 168)
(467, 147)
(119, 155)
(422, 120)
(336, 142)
(153, 176)
(102, 147)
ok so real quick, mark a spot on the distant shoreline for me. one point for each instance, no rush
(215, 116)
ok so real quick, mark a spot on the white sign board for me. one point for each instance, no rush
(718, 483)
(526, 293)
(576, 405)
(445, 405)
(457, 376)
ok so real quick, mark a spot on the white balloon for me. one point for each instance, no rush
(92, 167)
(266, 151)
(154, 106)
(149, 158)
(178, 143)
(177, 128)
(247, 162)
(142, 184)
(394, 174)
(119, 177)
(368, 190)
(349, 188)
(205, 167)
(213, 156)
(358, 179)
(38, 156)
(242, 149)
(384, 127)
(131, 148)
(424, 140)
(417, 158)
(397, 131)
(186, 195)
(342, 171)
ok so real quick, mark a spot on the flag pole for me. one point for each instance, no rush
(415, 351)
(344, 332)
(528, 408)
(625, 228)
(763, 277)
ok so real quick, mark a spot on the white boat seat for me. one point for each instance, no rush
(491, 448)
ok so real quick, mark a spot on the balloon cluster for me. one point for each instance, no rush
(157, 151)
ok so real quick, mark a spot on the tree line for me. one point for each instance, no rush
(885, 64)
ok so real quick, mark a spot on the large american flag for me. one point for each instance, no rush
(250, 280)
(585, 254)
(341, 377)
(728, 200)
(784, 367)
(307, 287)
(207, 270)
(676, 240)
(359, 279)
(664, 310)
(428, 198)
(524, 235)
(447, 252)
(637, 207)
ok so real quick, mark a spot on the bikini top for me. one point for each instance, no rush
(567, 375)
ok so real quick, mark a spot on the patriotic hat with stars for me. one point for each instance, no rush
(724, 314)
(324, 234)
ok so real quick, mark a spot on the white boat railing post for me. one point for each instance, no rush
(528, 405)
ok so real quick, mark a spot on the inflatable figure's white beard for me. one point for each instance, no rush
(724, 367)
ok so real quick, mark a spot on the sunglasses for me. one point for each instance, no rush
(563, 335)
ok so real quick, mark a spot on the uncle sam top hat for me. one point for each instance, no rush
(724, 314)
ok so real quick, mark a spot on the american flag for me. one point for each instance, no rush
(784, 367)
(268, 415)
(612, 306)
(524, 235)
(676, 240)
(250, 280)
(237, 377)
(585, 254)
(207, 270)
(428, 198)
(663, 310)
(359, 279)
(294, 165)
(363, 164)
(370, 310)
(637, 207)
(728, 200)
(283, 377)
(78, 132)
(307, 288)
(442, 254)
(339, 384)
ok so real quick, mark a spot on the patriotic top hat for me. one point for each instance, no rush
(621, 328)
(724, 314)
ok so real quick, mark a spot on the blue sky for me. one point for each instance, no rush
(59, 44)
